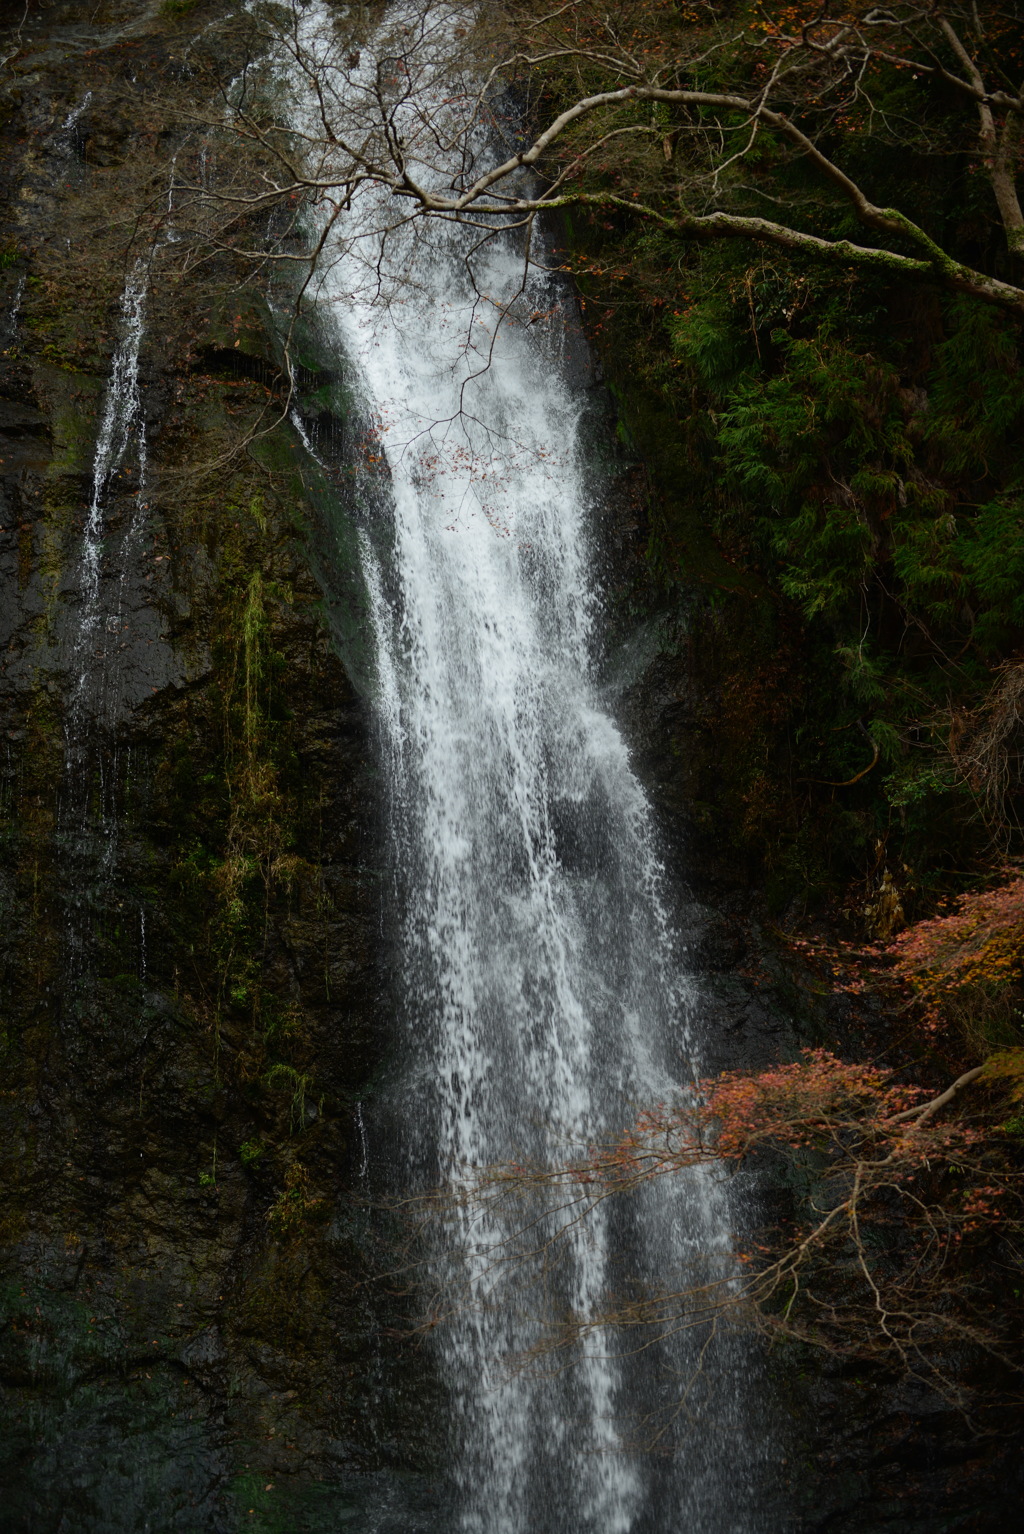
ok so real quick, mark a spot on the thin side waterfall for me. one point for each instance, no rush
(539, 985)
(89, 809)
(122, 429)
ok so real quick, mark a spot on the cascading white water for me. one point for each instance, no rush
(538, 980)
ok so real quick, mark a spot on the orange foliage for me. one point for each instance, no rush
(906, 1203)
(816, 1102)
(979, 944)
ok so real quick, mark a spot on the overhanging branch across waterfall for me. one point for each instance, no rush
(684, 123)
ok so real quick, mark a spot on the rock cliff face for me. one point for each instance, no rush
(191, 965)
(195, 1333)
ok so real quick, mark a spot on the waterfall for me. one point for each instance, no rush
(541, 995)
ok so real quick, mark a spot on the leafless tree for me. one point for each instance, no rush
(662, 116)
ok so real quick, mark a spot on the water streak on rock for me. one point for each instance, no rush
(95, 769)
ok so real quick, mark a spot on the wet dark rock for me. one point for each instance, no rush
(189, 941)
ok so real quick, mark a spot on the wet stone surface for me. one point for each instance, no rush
(189, 909)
